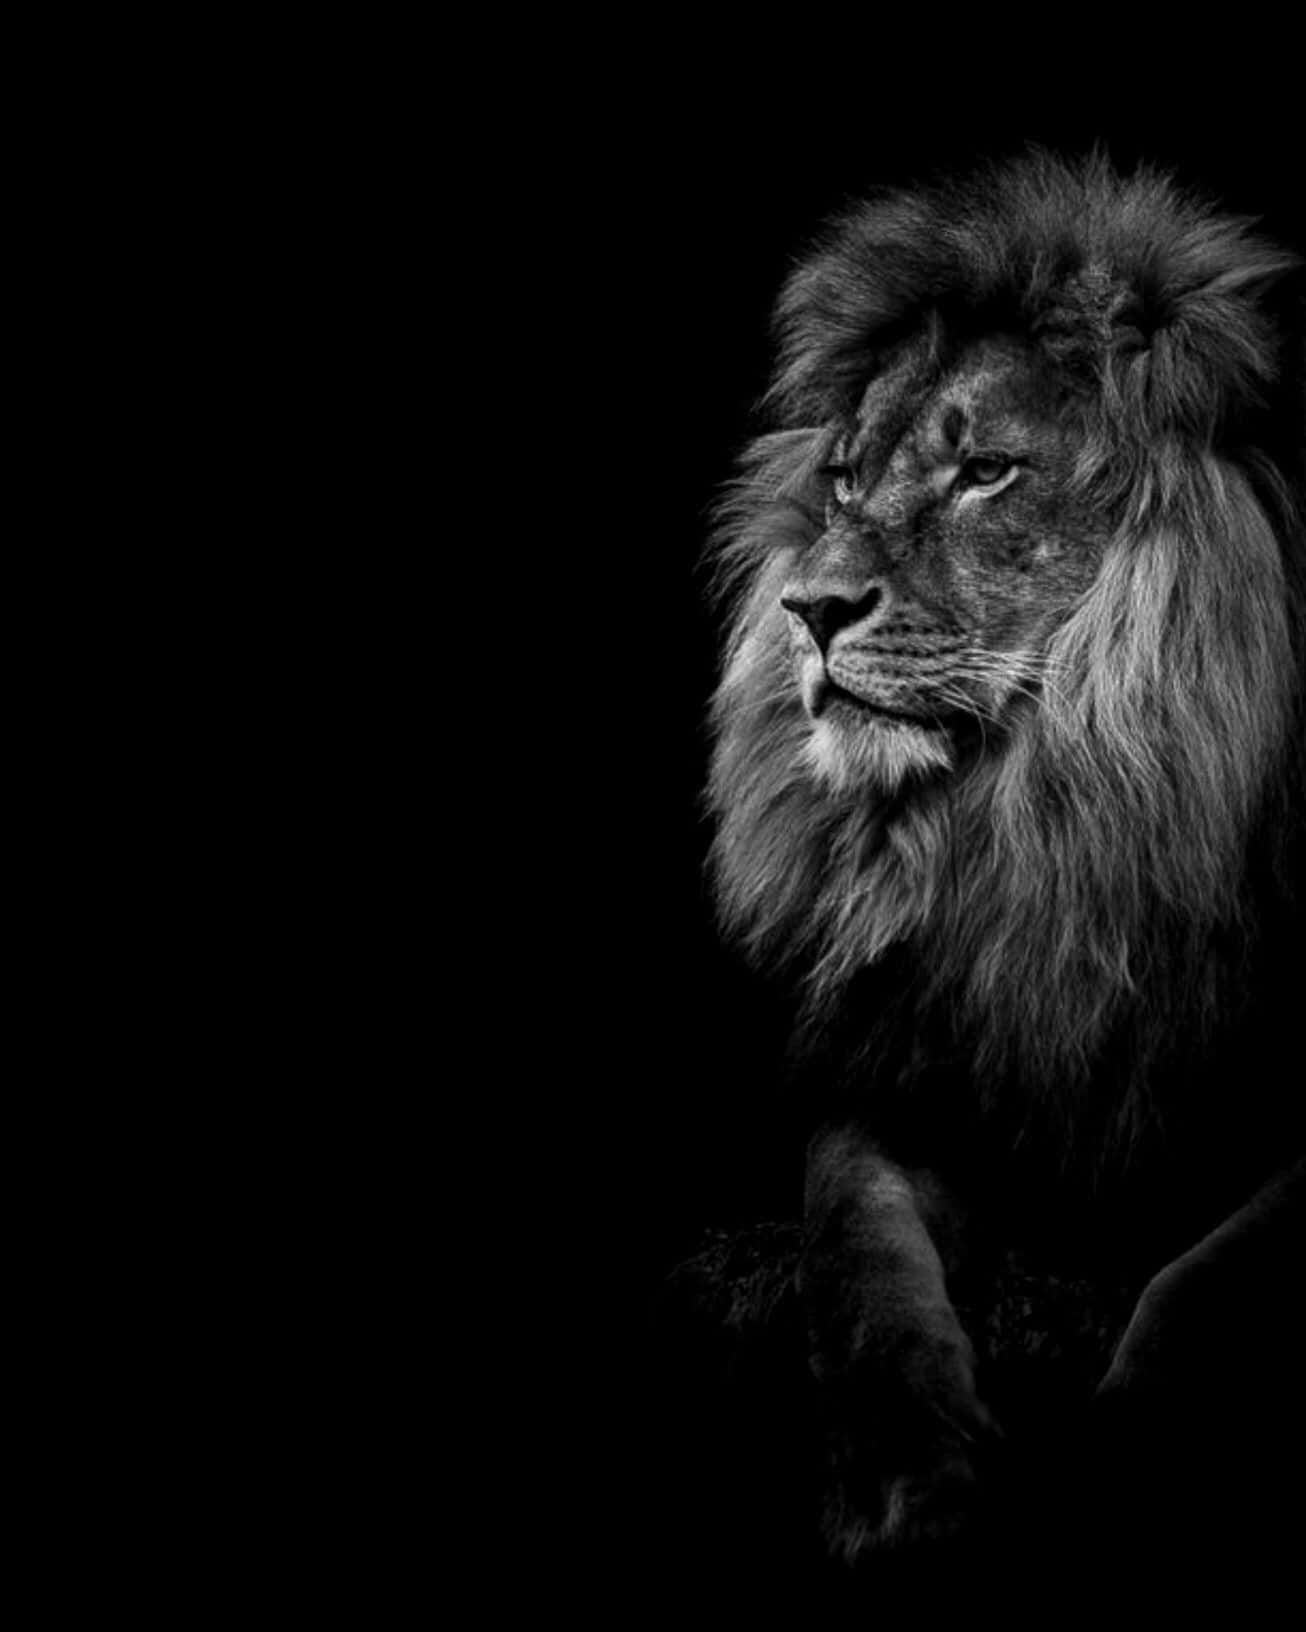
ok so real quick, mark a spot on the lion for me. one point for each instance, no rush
(1007, 777)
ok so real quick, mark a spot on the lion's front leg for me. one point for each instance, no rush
(1220, 1316)
(1200, 1422)
(896, 1369)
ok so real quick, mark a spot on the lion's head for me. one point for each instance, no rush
(1014, 676)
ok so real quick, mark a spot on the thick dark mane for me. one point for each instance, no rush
(1111, 866)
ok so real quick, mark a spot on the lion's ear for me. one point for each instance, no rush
(1224, 343)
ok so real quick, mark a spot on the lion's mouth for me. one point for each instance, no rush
(830, 697)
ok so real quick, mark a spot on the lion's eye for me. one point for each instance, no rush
(985, 470)
(843, 476)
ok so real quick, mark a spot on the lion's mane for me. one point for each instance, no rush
(1109, 870)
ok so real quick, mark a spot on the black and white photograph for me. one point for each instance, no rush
(933, 777)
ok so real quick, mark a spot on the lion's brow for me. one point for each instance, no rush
(881, 423)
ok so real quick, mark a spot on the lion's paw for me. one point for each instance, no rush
(909, 1510)
(928, 1497)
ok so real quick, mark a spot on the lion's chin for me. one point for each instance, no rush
(874, 752)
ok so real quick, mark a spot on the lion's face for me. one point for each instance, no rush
(953, 548)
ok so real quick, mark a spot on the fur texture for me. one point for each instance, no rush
(1106, 870)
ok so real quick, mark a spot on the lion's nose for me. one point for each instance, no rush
(825, 615)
